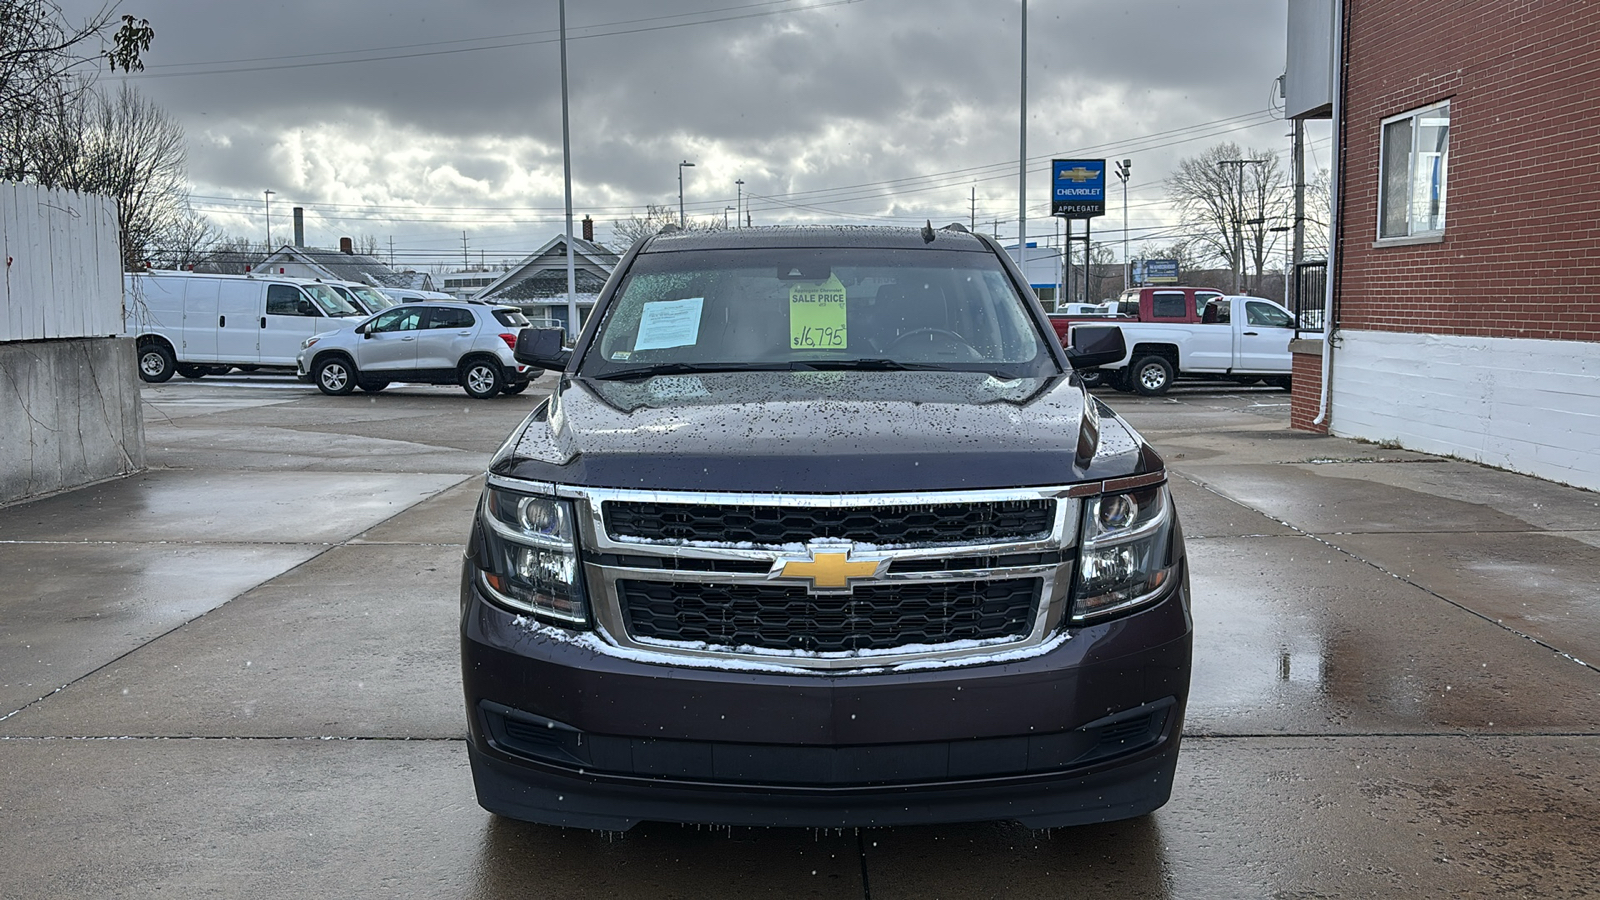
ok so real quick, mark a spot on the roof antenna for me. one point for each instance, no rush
(927, 232)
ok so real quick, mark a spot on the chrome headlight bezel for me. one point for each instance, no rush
(534, 564)
(1125, 558)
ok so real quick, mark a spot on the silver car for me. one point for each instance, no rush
(432, 342)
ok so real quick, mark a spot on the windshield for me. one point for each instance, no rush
(374, 299)
(818, 308)
(332, 304)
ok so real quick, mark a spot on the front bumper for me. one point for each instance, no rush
(1085, 731)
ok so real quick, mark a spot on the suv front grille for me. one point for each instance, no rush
(934, 523)
(873, 617)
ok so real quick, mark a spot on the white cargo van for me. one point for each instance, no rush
(196, 325)
(363, 297)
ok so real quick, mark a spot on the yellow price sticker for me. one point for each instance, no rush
(817, 316)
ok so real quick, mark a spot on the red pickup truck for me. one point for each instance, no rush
(1167, 304)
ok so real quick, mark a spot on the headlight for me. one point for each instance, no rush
(306, 344)
(533, 556)
(1122, 552)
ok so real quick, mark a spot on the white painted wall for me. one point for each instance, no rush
(1529, 406)
(63, 269)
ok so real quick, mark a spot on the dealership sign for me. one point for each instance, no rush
(1160, 271)
(1078, 188)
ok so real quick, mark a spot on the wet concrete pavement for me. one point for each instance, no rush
(235, 675)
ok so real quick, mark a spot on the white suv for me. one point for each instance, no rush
(432, 342)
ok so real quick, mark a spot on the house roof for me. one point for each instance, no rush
(543, 273)
(337, 265)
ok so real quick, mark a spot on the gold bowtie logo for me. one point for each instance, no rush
(829, 571)
(1079, 174)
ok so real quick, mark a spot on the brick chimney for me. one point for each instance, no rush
(347, 246)
(588, 229)
(299, 226)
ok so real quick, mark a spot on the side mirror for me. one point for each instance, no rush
(1092, 346)
(304, 307)
(542, 348)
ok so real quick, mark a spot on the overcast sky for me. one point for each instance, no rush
(415, 121)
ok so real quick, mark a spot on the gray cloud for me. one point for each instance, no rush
(802, 104)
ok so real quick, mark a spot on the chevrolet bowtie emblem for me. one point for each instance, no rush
(829, 571)
(1078, 175)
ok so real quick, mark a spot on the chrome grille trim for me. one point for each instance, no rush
(1055, 577)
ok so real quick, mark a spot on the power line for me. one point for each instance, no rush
(500, 46)
(875, 190)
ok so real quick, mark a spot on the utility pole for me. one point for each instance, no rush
(738, 204)
(465, 263)
(972, 220)
(268, 195)
(1291, 290)
(1238, 219)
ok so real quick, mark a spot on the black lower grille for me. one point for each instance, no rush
(817, 766)
(874, 617)
(932, 523)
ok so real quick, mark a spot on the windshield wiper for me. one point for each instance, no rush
(865, 364)
(682, 368)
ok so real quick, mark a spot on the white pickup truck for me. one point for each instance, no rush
(1244, 338)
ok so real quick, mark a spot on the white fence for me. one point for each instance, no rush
(63, 268)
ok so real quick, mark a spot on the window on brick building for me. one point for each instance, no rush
(1415, 156)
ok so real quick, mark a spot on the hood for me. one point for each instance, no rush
(822, 432)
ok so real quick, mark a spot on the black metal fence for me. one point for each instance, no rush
(1308, 293)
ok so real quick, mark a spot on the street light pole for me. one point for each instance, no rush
(738, 208)
(566, 174)
(1124, 169)
(725, 216)
(268, 195)
(682, 223)
(1022, 162)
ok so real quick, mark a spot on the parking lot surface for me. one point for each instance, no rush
(236, 675)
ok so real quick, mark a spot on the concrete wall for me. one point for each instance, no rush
(1531, 406)
(69, 390)
(69, 415)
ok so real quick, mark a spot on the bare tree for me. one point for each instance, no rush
(1318, 214)
(1182, 251)
(237, 255)
(191, 241)
(1225, 189)
(367, 245)
(656, 217)
(42, 56)
(1105, 274)
(133, 151)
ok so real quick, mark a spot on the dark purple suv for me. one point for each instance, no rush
(818, 528)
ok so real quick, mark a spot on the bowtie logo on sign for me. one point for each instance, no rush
(1078, 188)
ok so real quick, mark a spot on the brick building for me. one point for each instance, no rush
(1466, 266)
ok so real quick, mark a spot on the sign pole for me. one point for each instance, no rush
(1088, 259)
